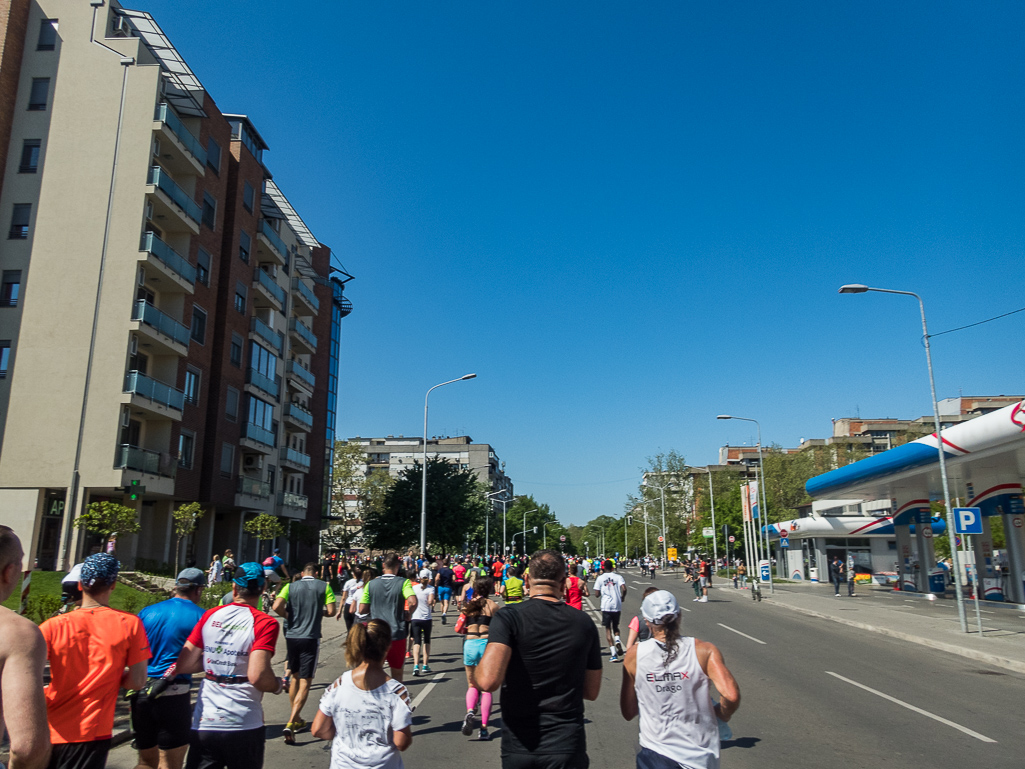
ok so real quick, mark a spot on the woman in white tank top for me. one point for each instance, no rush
(667, 681)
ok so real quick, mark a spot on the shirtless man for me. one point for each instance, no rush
(22, 656)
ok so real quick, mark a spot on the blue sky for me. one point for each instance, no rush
(628, 218)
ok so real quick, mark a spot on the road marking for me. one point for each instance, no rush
(643, 583)
(631, 587)
(903, 704)
(685, 609)
(751, 637)
(427, 690)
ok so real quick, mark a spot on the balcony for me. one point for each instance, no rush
(254, 494)
(302, 334)
(174, 202)
(269, 245)
(268, 293)
(168, 263)
(144, 461)
(294, 460)
(264, 383)
(292, 504)
(300, 376)
(299, 417)
(160, 328)
(179, 137)
(305, 293)
(155, 397)
(267, 334)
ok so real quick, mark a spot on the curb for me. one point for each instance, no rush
(972, 654)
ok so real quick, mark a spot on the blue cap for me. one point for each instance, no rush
(99, 569)
(249, 575)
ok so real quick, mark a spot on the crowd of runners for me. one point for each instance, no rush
(524, 627)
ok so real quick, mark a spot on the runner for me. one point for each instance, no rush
(612, 589)
(638, 630)
(459, 577)
(349, 590)
(512, 590)
(272, 565)
(478, 613)
(443, 581)
(421, 623)
(497, 570)
(576, 589)
(390, 597)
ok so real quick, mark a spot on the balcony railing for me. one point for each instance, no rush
(253, 487)
(295, 457)
(288, 499)
(297, 412)
(274, 238)
(146, 313)
(130, 457)
(265, 280)
(140, 384)
(306, 292)
(166, 116)
(304, 332)
(260, 434)
(163, 180)
(268, 334)
(301, 372)
(262, 381)
(175, 261)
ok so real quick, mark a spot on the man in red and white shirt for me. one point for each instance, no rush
(233, 645)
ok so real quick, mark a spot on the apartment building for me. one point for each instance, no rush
(166, 317)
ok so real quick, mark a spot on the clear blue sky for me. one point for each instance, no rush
(630, 217)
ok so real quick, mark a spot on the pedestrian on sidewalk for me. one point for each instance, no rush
(836, 573)
(742, 575)
(850, 574)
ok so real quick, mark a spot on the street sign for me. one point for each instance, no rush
(733, 539)
(968, 520)
(783, 533)
(562, 537)
(661, 538)
(671, 553)
(1016, 522)
(708, 532)
(764, 570)
(784, 543)
(957, 541)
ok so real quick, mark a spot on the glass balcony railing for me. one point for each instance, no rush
(275, 240)
(264, 279)
(300, 414)
(306, 293)
(178, 263)
(163, 180)
(140, 384)
(300, 372)
(146, 313)
(265, 383)
(295, 457)
(304, 332)
(260, 434)
(289, 499)
(268, 334)
(130, 457)
(253, 487)
(166, 116)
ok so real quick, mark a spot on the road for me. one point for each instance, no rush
(815, 693)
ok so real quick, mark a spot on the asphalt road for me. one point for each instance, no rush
(815, 694)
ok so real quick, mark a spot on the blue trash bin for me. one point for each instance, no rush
(937, 581)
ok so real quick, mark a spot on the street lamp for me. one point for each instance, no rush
(544, 534)
(858, 288)
(715, 547)
(763, 523)
(487, 518)
(665, 540)
(423, 494)
(524, 543)
(627, 522)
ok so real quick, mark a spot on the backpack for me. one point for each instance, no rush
(269, 562)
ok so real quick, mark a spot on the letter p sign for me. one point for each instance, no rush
(968, 520)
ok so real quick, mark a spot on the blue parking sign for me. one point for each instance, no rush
(968, 520)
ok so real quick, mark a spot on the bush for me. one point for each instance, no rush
(41, 607)
(213, 594)
(153, 566)
(133, 601)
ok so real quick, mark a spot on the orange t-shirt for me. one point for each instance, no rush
(89, 650)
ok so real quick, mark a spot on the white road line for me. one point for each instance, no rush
(427, 690)
(643, 583)
(685, 609)
(751, 637)
(631, 587)
(903, 704)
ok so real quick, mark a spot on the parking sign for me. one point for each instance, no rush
(968, 520)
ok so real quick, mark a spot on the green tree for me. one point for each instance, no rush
(186, 518)
(537, 515)
(109, 519)
(264, 527)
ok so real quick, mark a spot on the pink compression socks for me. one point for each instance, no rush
(471, 699)
(485, 708)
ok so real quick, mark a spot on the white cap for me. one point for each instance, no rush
(658, 606)
(75, 575)
(425, 573)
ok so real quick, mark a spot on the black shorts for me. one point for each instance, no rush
(545, 761)
(421, 631)
(163, 723)
(226, 750)
(79, 755)
(611, 619)
(302, 656)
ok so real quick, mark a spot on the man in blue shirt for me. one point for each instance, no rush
(163, 724)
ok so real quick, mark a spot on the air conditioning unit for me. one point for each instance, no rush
(252, 462)
(133, 345)
(121, 27)
(149, 209)
(142, 276)
(156, 147)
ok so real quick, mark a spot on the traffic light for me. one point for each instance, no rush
(135, 490)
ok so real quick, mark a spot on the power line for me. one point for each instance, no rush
(988, 320)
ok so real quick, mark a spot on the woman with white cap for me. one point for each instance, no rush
(666, 681)
(420, 623)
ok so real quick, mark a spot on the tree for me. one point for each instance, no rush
(186, 518)
(264, 527)
(109, 519)
(537, 514)
(355, 490)
(667, 473)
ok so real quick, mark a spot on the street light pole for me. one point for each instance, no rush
(423, 493)
(857, 288)
(665, 539)
(715, 533)
(524, 542)
(487, 518)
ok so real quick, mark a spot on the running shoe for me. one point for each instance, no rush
(619, 646)
(409, 655)
(703, 599)
(443, 617)
(467, 729)
(288, 734)
(426, 670)
(483, 736)
(416, 671)
(613, 658)
(298, 725)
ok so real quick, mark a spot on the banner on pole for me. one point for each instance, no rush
(745, 503)
(752, 488)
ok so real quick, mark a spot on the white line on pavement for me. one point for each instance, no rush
(643, 583)
(631, 587)
(903, 704)
(751, 637)
(427, 690)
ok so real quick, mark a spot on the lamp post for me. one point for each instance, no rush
(764, 516)
(487, 518)
(544, 534)
(665, 539)
(423, 493)
(711, 498)
(627, 521)
(857, 288)
(524, 543)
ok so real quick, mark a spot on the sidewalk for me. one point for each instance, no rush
(912, 617)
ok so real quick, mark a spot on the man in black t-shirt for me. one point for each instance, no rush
(546, 656)
(443, 582)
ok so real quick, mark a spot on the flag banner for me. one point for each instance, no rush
(753, 490)
(745, 503)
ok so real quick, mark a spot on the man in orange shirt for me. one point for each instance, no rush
(89, 651)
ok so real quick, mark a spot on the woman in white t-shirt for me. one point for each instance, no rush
(366, 714)
(420, 623)
(350, 590)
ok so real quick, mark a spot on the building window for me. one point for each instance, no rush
(213, 155)
(5, 357)
(227, 459)
(203, 267)
(29, 156)
(199, 325)
(40, 92)
(231, 404)
(209, 211)
(235, 353)
(192, 385)
(263, 360)
(186, 449)
(240, 297)
(245, 244)
(19, 221)
(47, 35)
(10, 289)
(248, 196)
(261, 413)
